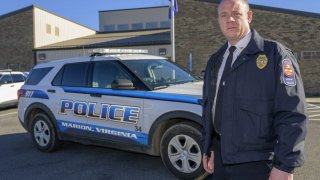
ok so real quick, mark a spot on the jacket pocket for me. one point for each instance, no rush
(253, 125)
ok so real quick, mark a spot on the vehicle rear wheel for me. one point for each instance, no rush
(181, 152)
(43, 133)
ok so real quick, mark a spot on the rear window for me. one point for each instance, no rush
(74, 75)
(37, 75)
(18, 77)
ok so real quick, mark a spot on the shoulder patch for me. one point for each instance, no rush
(288, 73)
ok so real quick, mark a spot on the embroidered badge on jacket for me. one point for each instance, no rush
(262, 61)
(288, 74)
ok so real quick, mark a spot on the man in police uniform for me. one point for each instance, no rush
(254, 108)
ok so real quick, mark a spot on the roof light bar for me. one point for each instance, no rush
(119, 51)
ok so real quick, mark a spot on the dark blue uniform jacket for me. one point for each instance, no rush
(264, 111)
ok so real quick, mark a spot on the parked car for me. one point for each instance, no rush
(26, 74)
(10, 83)
(134, 102)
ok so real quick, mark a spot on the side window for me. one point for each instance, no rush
(106, 72)
(75, 75)
(6, 79)
(37, 75)
(18, 78)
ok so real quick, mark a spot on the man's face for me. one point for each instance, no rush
(234, 18)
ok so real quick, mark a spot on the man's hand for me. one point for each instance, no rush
(277, 174)
(208, 164)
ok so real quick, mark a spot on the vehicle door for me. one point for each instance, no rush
(115, 114)
(68, 101)
(7, 89)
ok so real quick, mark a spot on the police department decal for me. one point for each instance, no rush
(288, 74)
(262, 61)
(112, 112)
(139, 137)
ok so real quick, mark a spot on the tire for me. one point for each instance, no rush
(181, 151)
(43, 133)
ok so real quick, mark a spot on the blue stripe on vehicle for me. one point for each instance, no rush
(135, 94)
(35, 94)
(139, 137)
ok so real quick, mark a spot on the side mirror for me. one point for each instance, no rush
(122, 84)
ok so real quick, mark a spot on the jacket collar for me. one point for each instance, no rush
(255, 45)
(219, 54)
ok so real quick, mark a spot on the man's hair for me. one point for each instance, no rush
(244, 2)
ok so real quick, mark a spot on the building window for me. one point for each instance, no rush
(56, 31)
(137, 26)
(162, 51)
(42, 56)
(109, 28)
(123, 27)
(165, 24)
(151, 25)
(48, 28)
(310, 55)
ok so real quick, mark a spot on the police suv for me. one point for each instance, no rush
(129, 101)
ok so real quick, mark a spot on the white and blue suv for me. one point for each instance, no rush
(133, 102)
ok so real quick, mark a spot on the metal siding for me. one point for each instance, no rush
(132, 16)
(70, 53)
(67, 29)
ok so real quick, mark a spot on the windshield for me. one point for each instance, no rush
(159, 73)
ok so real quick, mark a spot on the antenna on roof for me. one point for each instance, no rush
(101, 51)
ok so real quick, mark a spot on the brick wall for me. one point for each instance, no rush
(16, 41)
(197, 31)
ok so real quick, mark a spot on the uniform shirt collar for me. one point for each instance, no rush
(240, 45)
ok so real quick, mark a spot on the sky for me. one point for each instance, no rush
(85, 12)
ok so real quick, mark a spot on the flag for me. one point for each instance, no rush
(173, 6)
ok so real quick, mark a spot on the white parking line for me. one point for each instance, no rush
(1, 115)
(313, 111)
(314, 119)
(312, 108)
(312, 105)
(316, 115)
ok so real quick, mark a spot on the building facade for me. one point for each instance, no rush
(134, 19)
(138, 28)
(198, 32)
(156, 41)
(24, 30)
(32, 35)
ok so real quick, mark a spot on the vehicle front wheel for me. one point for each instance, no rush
(181, 152)
(43, 133)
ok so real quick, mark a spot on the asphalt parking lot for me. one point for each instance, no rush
(19, 159)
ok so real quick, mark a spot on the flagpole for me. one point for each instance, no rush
(173, 50)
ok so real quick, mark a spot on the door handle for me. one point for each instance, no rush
(51, 90)
(95, 95)
(12, 86)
